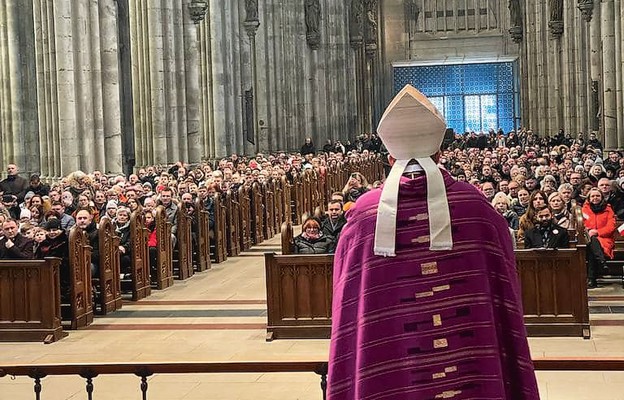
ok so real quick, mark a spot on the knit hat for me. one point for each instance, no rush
(412, 129)
(52, 223)
(29, 195)
(25, 213)
(111, 204)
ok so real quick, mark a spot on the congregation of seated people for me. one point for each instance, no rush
(520, 173)
(36, 218)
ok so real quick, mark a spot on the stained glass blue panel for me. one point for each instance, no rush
(461, 89)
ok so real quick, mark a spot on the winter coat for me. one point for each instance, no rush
(323, 245)
(604, 223)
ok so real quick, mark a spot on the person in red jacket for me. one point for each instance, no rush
(599, 220)
(152, 242)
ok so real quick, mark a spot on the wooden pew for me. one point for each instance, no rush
(203, 237)
(183, 255)
(219, 235)
(108, 299)
(257, 214)
(299, 291)
(268, 192)
(140, 257)
(296, 195)
(30, 300)
(164, 270)
(554, 291)
(279, 215)
(287, 238)
(616, 266)
(233, 224)
(80, 307)
(287, 199)
(246, 217)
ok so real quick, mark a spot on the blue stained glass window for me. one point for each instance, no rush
(471, 96)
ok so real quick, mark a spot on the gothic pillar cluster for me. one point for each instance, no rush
(118, 85)
(576, 83)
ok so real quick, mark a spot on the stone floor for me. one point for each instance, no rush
(220, 315)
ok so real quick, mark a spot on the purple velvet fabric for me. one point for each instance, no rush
(428, 325)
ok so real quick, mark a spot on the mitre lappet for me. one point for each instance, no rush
(412, 128)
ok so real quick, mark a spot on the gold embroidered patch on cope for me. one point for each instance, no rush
(429, 268)
(440, 343)
(439, 375)
(419, 217)
(449, 394)
(441, 288)
(437, 320)
(421, 239)
(424, 294)
(450, 369)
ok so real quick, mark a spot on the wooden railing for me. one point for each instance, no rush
(143, 371)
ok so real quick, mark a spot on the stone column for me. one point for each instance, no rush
(192, 63)
(179, 16)
(68, 124)
(609, 109)
(95, 159)
(618, 15)
(170, 88)
(596, 70)
(113, 159)
(156, 96)
(251, 28)
(219, 89)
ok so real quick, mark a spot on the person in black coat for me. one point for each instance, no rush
(545, 233)
(14, 246)
(56, 244)
(308, 147)
(335, 221)
(84, 221)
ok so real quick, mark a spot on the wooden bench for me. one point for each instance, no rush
(183, 254)
(616, 265)
(220, 236)
(233, 224)
(257, 214)
(299, 291)
(202, 253)
(268, 192)
(164, 251)
(78, 312)
(139, 253)
(30, 300)
(246, 217)
(108, 297)
(554, 291)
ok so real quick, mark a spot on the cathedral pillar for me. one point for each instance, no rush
(66, 90)
(112, 160)
(180, 13)
(596, 69)
(609, 109)
(192, 61)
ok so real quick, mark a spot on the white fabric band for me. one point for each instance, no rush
(439, 216)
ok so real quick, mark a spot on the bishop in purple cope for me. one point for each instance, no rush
(438, 314)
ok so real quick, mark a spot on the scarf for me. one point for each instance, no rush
(598, 208)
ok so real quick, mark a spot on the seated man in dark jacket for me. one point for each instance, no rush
(14, 246)
(332, 225)
(312, 240)
(84, 221)
(545, 233)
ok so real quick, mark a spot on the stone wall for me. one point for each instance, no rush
(113, 85)
(570, 53)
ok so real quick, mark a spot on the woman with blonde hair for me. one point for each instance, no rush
(561, 215)
(501, 203)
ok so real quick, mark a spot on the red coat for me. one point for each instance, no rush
(604, 223)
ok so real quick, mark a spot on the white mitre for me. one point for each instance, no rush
(412, 129)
